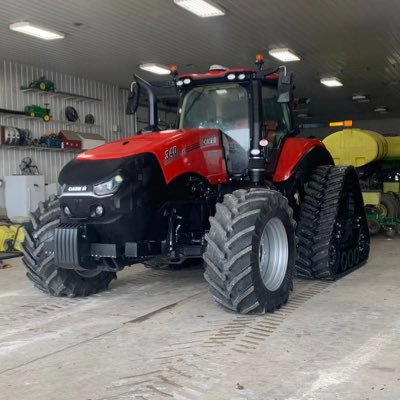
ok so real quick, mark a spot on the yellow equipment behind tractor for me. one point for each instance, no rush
(377, 159)
(11, 237)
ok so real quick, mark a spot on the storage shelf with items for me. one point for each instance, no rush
(64, 105)
(11, 116)
(65, 95)
(46, 114)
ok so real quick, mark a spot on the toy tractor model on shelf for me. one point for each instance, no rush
(231, 184)
(43, 84)
(377, 161)
(38, 112)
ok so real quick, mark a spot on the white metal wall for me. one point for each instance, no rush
(108, 113)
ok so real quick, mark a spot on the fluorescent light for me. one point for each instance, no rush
(154, 68)
(37, 31)
(361, 98)
(285, 55)
(201, 8)
(331, 82)
(358, 97)
(381, 109)
(221, 91)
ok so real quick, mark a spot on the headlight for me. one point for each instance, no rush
(109, 187)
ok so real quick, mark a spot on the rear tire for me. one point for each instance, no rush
(389, 206)
(42, 270)
(250, 256)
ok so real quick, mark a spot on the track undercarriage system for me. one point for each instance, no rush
(332, 229)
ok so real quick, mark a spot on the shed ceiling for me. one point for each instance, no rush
(357, 41)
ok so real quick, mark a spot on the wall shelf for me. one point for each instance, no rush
(39, 148)
(65, 95)
(52, 121)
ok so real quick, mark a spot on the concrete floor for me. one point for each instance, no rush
(158, 335)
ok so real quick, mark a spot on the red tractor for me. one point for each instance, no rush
(232, 184)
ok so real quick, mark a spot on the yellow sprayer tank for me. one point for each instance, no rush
(359, 147)
(393, 147)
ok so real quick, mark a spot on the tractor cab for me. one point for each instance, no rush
(226, 100)
(251, 108)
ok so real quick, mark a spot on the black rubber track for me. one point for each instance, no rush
(41, 268)
(317, 225)
(232, 255)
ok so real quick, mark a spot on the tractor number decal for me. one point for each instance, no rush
(209, 141)
(171, 153)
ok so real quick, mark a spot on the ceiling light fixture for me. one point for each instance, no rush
(201, 8)
(155, 68)
(381, 109)
(36, 31)
(358, 97)
(331, 82)
(361, 98)
(285, 55)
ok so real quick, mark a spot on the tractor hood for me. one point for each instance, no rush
(173, 152)
(148, 143)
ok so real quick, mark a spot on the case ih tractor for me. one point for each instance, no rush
(231, 184)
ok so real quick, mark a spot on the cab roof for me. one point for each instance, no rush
(221, 73)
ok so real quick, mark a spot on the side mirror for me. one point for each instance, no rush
(133, 99)
(285, 87)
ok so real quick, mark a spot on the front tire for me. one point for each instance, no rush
(250, 256)
(42, 270)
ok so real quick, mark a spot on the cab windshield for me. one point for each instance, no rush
(224, 107)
